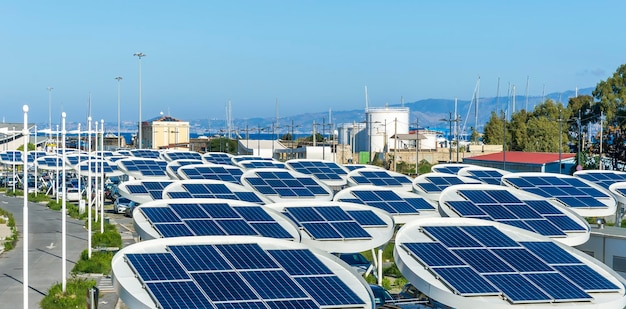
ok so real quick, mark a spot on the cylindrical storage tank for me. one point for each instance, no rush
(343, 134)
(382, 124)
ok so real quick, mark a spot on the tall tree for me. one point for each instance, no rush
(494, 130)
(611, 93)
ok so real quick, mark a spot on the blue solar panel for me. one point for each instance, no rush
(490, 236)
(274, 284)
(603, 178)
(570, 191)
(433, 254)
(379, 178)
(204, 190)
(586, 278)
(558, 287)
(157, 266)
(465, 281)
(224, 286)
(247, 256)
(531, 272)
(333, 213)
(285, 184)
(366, 218)
(451, 236)
(236, 227)
(466, 208)
(484, 261)
(199, 257)
(320, 169)
(145, 153)
(180, 155)
(299, 262)
(565, 223)
(145, 167)
(545, 227)
(502, 206)
(160, 214)
(190, 219)
(178, 294)
(228, 174)
(153, 188)
(173, 229)
(321, 230)
(205, 227)
(486, 176)
(262, 164)
(389, 201)
(517, 289)
(329, 291)
(550, 252)
(522, 260)
(351, 230)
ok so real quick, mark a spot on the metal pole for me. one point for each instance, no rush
(80, 191)
(139, 55)
(35, 163)
(56, 185)
(63, 209)
(449, 135)
(101, 176)
(560, 141)
(600, 159)
(97, 199)
(504, 140)
(417, 145)
(119, 139)
(89, 187)
(25, 284)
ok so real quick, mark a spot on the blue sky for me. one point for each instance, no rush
(311, 55)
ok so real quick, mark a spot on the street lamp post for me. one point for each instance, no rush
(119, 140)
(89, 188)
(63, 208)
(139, 55)
(25, 212)
(101, 175)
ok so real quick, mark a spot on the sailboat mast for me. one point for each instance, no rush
(527, 80)
(476, 106)
(366, 100)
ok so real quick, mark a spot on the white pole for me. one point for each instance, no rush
(89, 188)
(95, 202)
(119, 141)
(102, 176)
(25, 214)
(380, 267)
(63, 209)
(139, 55)
(80, 191)
(56, 171)
(35, 162)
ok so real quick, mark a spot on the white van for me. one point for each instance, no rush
(72, 195)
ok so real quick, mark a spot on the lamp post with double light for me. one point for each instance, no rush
(139, 135)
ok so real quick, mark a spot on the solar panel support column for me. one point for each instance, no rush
(25, 207)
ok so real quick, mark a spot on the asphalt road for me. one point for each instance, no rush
(44, 253)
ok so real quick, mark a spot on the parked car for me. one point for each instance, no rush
(121, 204)
(357, 261)
(129, 211)
(72, 195)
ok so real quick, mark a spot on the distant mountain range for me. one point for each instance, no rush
(430, 112)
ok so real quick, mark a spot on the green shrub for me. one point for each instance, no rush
(100, 262)
(392, 271)
(107, 239)
(54, 205)
(74, 296)
(40, 197)
(8, 245)
(386, 283)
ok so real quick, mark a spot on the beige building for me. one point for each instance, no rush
(165, 132)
